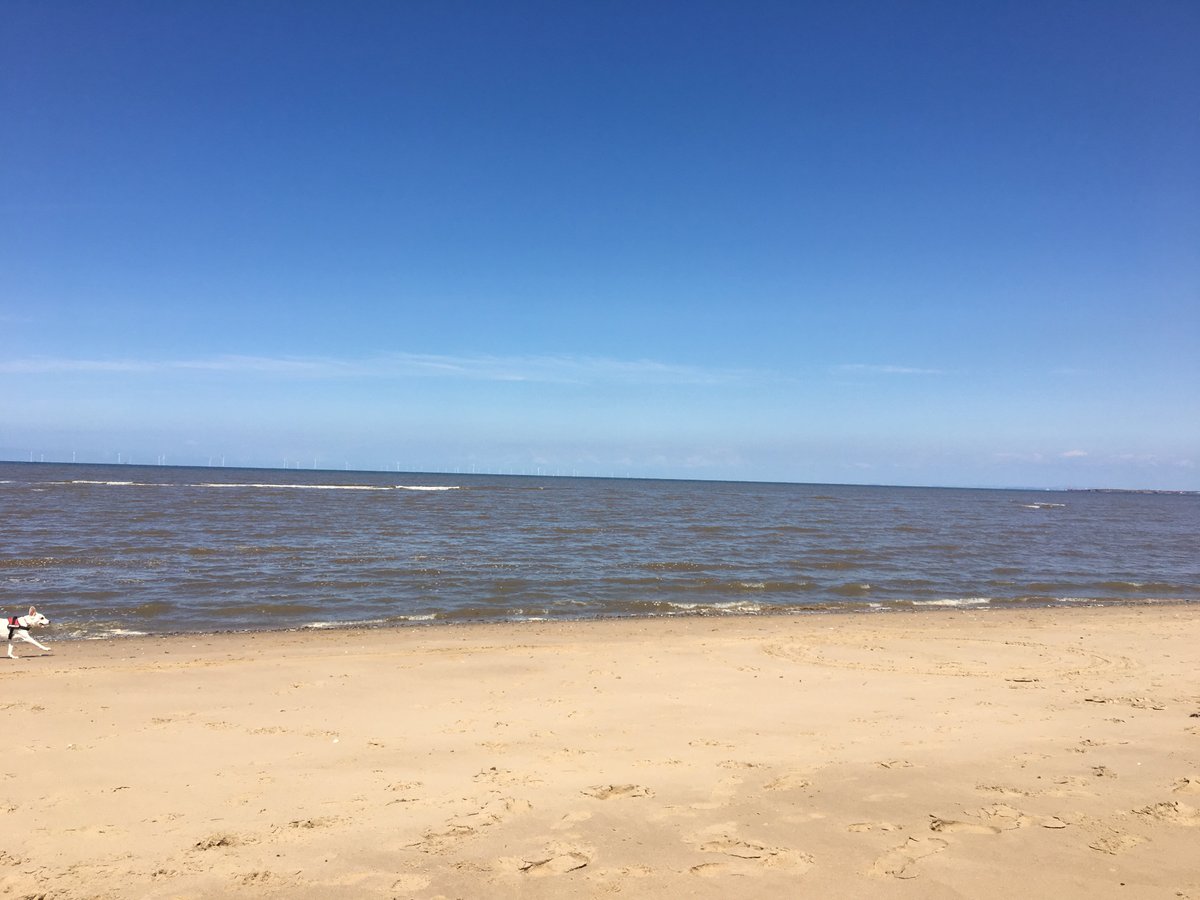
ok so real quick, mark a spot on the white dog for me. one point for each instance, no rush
(18, 627)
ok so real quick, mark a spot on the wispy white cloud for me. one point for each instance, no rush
(563, 369)
(870, 369)
(1074, 454)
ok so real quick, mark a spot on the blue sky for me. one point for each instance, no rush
(912, 243)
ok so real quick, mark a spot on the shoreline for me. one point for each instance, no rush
(980, 752)
(901, 607)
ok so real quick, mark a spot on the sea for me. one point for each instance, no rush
(125, 550)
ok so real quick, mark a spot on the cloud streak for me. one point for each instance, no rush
(869, 369)
(557, 369)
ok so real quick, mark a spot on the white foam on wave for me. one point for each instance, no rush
(267, 485)
(1044, 505)
(350, 624)
(104, 634)
(955, 601)
(299, 487)
(733, 606)
(329, 487)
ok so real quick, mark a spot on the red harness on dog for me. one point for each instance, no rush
(14, 623)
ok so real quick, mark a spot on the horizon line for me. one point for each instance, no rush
(442, 472)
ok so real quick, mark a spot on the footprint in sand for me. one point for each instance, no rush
(608, 791)
(504, 777)
(793, 781)
(1001, 789)
(950, 826)
(1112, 844)
(261, 878)
(744, 856)
(1175, 812)
(559, 860)
(1189, 784)
(856, 827)
(901, 862)
(491, 813)
(217, 841)
(1004, 817)
(320, 822)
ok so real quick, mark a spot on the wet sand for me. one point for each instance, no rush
(1041, 753)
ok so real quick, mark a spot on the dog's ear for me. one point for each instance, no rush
(33, 610)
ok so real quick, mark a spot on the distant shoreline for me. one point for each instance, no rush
(1127, 491)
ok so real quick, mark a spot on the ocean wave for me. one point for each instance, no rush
(954, 601)
(351, 623)
(118, 632)
(686, 566)
(94, 632)
(297, 487)
(708, 585)
(264, 485)
(151, 610)
(1158, 587)
(853, 589)
(733, 607)
(40, 562)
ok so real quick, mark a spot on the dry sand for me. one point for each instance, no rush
(1043, 753)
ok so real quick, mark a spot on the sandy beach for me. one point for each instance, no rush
(1041, 753)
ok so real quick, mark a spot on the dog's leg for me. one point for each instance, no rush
(30, 639)
(11, 655)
